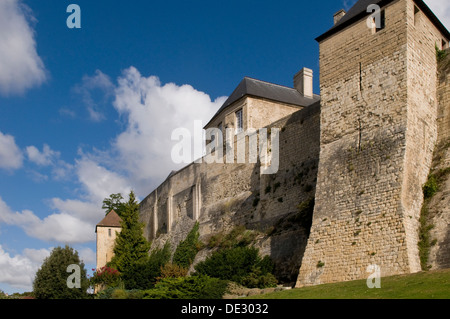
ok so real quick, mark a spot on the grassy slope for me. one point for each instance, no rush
(423, 285)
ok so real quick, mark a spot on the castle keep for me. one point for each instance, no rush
(352, 161)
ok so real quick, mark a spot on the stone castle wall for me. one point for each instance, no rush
(378, 91)
(422, 105)
(223, 196)
(443, 114)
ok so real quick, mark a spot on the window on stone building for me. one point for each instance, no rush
(239, 121)
(109, 232)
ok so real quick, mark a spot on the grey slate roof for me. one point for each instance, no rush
(359, 11)
(275, 92)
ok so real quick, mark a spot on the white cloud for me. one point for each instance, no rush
(62, 170)
(90, 85)
(152, 112)
(36, 256)
(60, 228)
(99, 182)
(37, 177)
(20, 66)
(84, 210)
(66, 112)
(65, 227)
(10, 155)
(73, 220)
(441, 9)
(19, 271)
(48, 157)
(140, 156)
(44, 158)
(87, 256)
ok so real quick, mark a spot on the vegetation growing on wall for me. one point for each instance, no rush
(430, 188)
(238, 236)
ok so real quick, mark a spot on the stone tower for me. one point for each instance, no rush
(378, 130)
(107, 230)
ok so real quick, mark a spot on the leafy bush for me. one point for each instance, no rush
(120, 293)
(256, 279)
(187, 249)
(135, 294)
(105, 293)
(194, 287)
(172, 271)
(143, 275)
(239, 264)
(105, 276)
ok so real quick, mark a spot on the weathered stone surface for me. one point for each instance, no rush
(363, 155)
(223, 196)
(439, 207)
(378, 119)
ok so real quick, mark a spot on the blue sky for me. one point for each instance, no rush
(88, 112)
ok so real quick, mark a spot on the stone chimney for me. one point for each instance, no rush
(338, 15)
(303, 82)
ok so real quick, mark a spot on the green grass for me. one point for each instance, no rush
(422, 285)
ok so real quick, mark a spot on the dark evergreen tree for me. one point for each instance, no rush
(131, 246)
(187, 249)
(143, 275)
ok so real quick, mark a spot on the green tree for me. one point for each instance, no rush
(143, 275)
(187, 249)
(114, 201)
(131, 246)
(51, 281)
